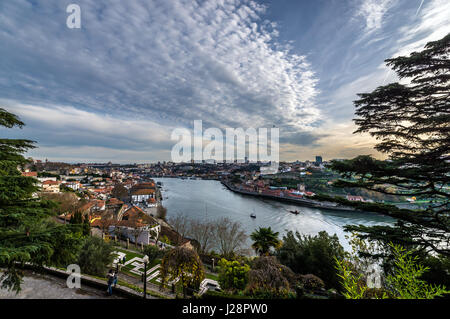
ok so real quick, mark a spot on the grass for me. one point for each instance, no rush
(130, 255)
(127, 269)
(133, 287)
(212, 276)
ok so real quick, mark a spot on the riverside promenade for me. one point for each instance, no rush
(44, 286)
(292, 200)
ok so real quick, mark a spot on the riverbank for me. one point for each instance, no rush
(297, 201)
(211, 200)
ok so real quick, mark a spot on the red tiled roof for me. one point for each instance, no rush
(145, 191)
(49, 182)
(114, 201)
(29, 174)
(87, 206)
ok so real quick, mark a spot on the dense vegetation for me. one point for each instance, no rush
(411, 123)
(28, 234)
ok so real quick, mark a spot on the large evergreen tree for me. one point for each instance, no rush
(27, 233)
(412, 124)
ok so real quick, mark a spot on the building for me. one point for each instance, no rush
(137, 226)
(142, 192)
(73, 185)
(142, 195)
(355, 198)
(29, 174)
(319, 160)
(51, 186)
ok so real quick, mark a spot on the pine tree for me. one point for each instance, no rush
(412, 124)
(27, 233)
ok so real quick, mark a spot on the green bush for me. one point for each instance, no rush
(268, 279)
(95, 256)
(312, 255)
(311, 282)
(233, 275)
(153, 253)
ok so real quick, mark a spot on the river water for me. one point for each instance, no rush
(208, 199)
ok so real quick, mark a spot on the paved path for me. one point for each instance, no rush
(42, 286)
(150, 286)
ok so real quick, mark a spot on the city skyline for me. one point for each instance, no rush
(116, 88)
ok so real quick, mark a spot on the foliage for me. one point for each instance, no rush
(203, 232)
(26, 233)
(180, 224)
(183, 263)
(311, 282)
(233, 275)
(312, 255)
(269, 279)
(78, 219)
(405, 282)
(264, 239)
(165, 240)
(229, 237)
(161, 212)
(439, 270)
(95, 256)
(67, 202)
(153, 253)
(411, 123)
(353, 285)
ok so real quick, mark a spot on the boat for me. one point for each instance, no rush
(253, 216)
(295, 212)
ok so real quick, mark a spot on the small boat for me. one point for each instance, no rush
(295, 212)
(253, 216)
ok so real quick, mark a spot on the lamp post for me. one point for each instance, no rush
(145, 260)
(213, 264)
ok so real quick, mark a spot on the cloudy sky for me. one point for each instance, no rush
(137, 69)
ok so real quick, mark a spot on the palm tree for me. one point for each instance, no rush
(264, 239)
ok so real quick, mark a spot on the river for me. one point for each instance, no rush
(209, 199)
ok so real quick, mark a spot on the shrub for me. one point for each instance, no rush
(312, 255)
(183, 263)
(233, 275)
(153, 253)
(95, 256)
(269, 279)
(311, 282)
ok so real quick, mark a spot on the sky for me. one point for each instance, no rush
(116, 88)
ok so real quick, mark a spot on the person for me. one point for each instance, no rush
(124, 259)
(115, 278)
(110, 281)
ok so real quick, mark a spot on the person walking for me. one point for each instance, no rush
(110, 277)
(115, 278)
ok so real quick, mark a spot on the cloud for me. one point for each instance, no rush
(76, 134)
(171, 61)
(432, 25)
(302, 138)
(373, 12)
